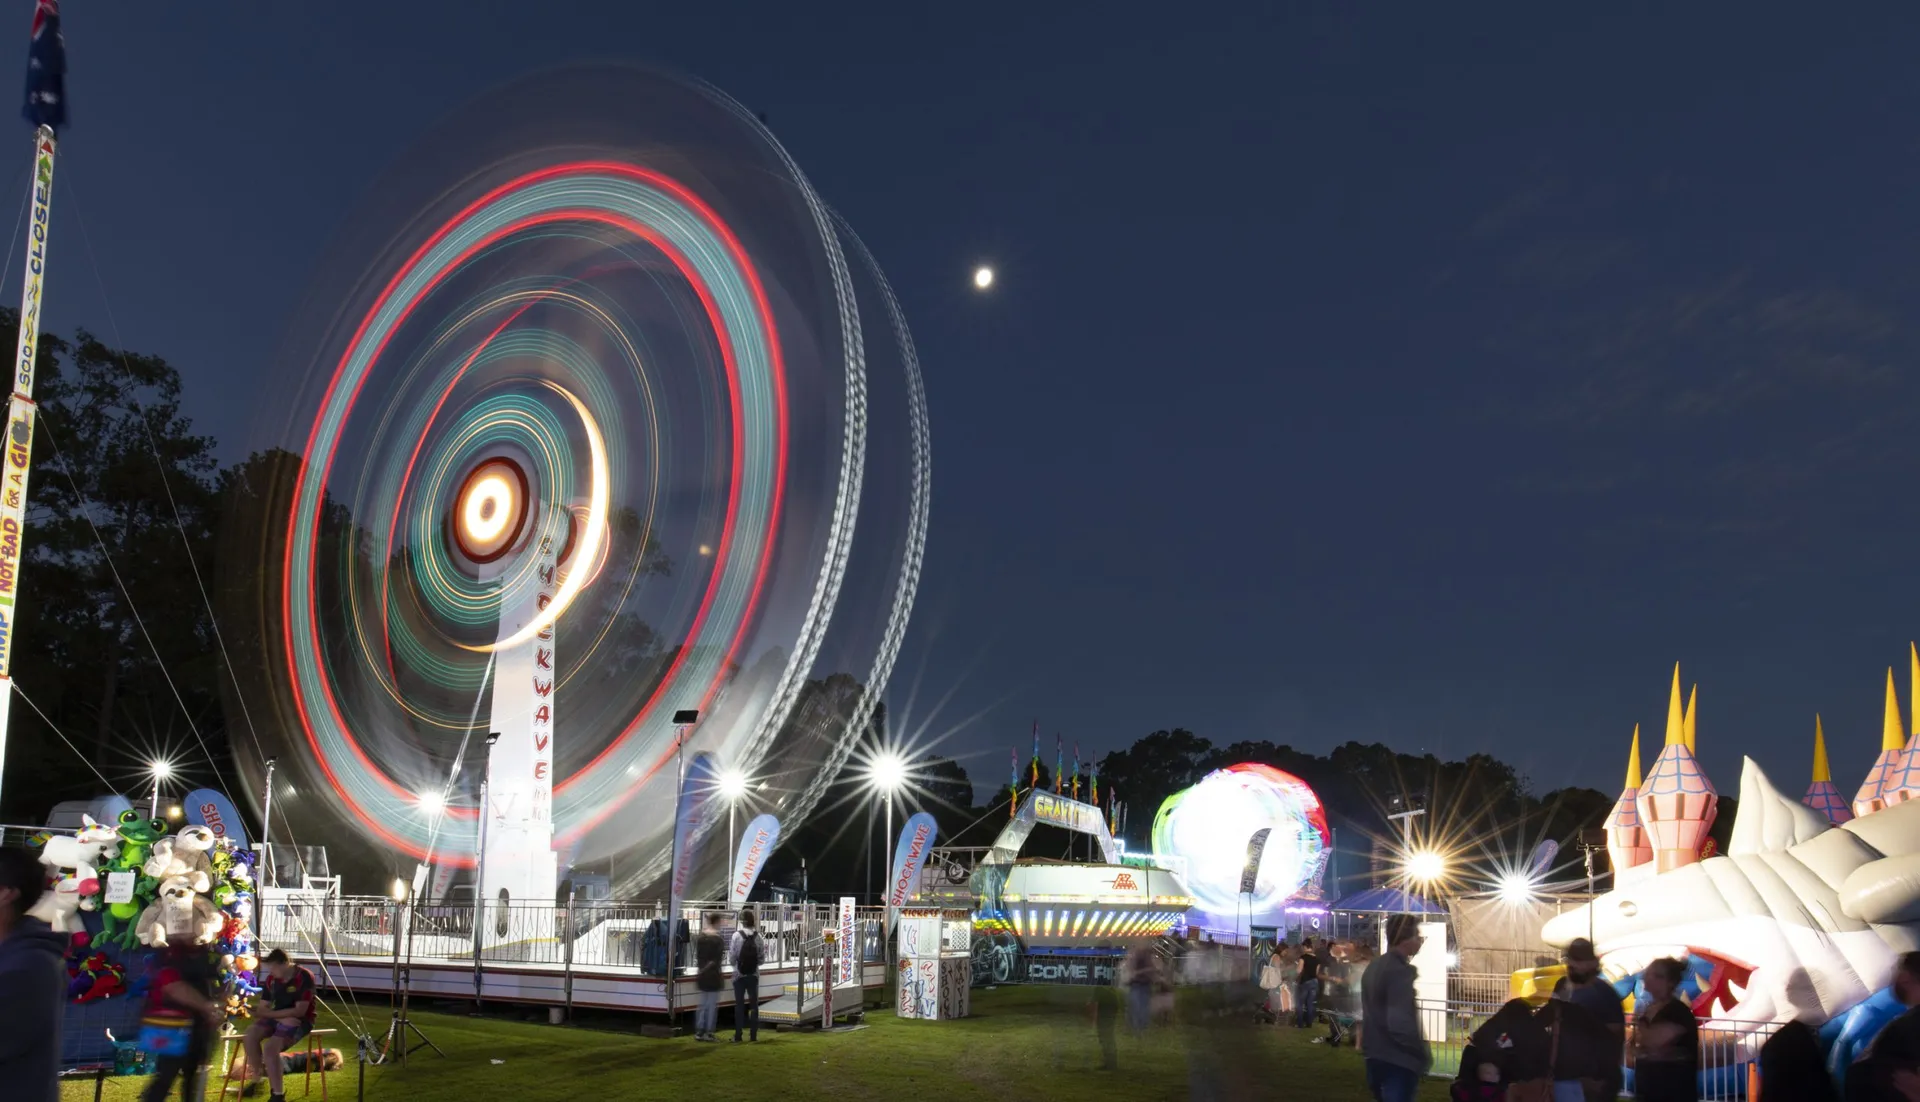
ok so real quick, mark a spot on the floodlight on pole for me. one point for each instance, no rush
(1425, 867)
(161, 770)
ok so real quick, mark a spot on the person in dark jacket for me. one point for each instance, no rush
(708, 950)
(1666, 1038)
(1397, 1056)
(32, 981)
(1791, 1066)
(744, 955)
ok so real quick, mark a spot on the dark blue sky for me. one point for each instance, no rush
(1403, 378)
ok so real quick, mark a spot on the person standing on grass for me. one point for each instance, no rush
(1308, 1002)
(180, 1019)
(1666, 1038)
(708, 949)
(32, 985)
(744, 955)
(1141, 970)
(282, 1018)
(1395, 1049)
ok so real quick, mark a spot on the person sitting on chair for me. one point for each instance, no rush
(282, 1017)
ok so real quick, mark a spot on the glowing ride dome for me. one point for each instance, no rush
(1210, 825)
(635, 379)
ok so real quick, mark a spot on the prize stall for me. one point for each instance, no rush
(119, 891)
(936, 962)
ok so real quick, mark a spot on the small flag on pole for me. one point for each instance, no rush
(1076, 770)
(1059, 762)
(46, 69)
(1093, 782)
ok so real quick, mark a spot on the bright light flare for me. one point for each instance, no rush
(1426, 867)
(982, 278)
(733, 784)
(431, 803)
(161, 770)
(1517, 889)
(399, 890)
(889, 772)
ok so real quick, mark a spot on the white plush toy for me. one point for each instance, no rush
(178, 908)
(183, 854)
(83, 852)
(58, 904)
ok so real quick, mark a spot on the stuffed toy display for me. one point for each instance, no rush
(189, 882)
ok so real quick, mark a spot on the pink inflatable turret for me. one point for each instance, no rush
(1890, 767)
(1677, 803)
(1627, 844)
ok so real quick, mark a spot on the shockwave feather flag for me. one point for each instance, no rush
(46, 69)
(208, 808)
(916, 841)
(696, 789)
(756, 845)
(1059, 762)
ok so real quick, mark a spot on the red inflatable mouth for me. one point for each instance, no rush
(1724, 987)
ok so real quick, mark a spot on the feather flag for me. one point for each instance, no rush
(1059, 760)
(1035, 782)
(1013, 805)
(1093, 781)
(1076, 770)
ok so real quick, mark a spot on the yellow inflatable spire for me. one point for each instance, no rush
(1821, 771)
(1633, 760)
(1913, 685)
(1891, 737)
(1676, 719)
(1687, 724)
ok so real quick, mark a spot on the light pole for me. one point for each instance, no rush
(683, 721)
(266, 827)
(733, 785)
(888, 773)
(161, 770)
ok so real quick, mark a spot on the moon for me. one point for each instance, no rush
(982, 277)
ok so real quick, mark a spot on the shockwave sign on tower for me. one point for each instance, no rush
(46, 109)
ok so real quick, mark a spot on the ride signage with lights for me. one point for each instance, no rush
(1063, 812)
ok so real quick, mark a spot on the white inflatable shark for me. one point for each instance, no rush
(1801, 919)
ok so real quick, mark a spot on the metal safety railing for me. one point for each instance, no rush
(1727, 1048)
(617, 936)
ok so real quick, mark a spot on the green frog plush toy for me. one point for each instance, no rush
(137, 836)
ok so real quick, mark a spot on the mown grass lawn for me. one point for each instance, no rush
(1021, 1043)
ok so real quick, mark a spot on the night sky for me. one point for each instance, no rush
(1403, 379)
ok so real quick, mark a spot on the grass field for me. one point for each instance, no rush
(1018, 1039)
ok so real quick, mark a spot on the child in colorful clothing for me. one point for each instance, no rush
(281, 1018)
(180, 1018)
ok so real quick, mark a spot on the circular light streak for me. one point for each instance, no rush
(1211, 824)
(627, 388)
(643, 206)
(490, 513)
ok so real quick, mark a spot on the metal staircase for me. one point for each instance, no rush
(803, 1001)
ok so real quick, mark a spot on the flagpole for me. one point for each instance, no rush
(20, 408)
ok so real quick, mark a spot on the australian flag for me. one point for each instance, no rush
(46, 68)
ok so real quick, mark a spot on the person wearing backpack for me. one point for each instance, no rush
(707, 951)
(744, 955)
